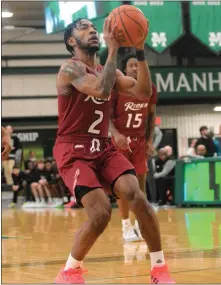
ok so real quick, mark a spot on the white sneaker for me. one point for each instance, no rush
(129, 234)
(59, 203)
(137, 230)
(28, 205)
(42, 204)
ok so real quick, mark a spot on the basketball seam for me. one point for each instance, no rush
(135, 21)
(128, 11)
(125, 28)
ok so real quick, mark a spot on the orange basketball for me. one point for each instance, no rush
(132, 25)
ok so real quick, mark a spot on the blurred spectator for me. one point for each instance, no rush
(30, 174)
(63, 190)
(31, 157)
(40, 186)
(207, 141)
(168, 150)
(53, 184)
(201, 151)
(150, 183)
(18, 179)
(10, 162)
(217, 144)
(191, 150)
(163, 166)
(158, 135)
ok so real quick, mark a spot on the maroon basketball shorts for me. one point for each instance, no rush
(137, 154)
(89, 163)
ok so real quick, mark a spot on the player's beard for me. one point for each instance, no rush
(91, 50)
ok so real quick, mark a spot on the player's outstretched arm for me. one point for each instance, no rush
(142, 86)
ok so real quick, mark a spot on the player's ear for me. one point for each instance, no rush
(72, 42)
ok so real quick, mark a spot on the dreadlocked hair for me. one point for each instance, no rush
(125, 60)
(68, 33)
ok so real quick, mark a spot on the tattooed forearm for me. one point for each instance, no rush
(97, 85)
(108, 77)
(150, 126)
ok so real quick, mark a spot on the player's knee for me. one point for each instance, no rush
(101, 220)
(134, 194)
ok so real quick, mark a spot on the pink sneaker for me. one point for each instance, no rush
(70, 204)
(70, 276)
(160, 274)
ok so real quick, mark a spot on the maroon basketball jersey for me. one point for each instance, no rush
(130, 114)
(82, 115)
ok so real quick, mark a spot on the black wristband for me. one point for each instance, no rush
(140, 55)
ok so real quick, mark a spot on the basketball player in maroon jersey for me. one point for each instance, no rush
(84, 154)
(132, 127)
(6, 144)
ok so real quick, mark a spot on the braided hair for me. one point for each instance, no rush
(68, 33)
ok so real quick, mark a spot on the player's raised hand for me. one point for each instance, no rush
(121, 141)
(109, 37)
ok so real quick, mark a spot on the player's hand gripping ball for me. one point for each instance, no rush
(132, 25)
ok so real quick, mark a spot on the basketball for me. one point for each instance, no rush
(132, 25)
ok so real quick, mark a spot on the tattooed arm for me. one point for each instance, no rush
(74, 73)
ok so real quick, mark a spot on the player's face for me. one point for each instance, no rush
(86, 36)
(131, 68)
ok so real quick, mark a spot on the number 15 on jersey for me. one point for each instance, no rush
(136, 121)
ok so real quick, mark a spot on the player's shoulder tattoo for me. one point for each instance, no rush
(74, 69)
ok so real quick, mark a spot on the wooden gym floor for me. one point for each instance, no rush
(36, 243)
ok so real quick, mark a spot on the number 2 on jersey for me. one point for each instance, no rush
(92, 128)
(137, 120)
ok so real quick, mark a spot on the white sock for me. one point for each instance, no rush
(72, 263)
(157, 258)
(65, 199)
(43, 200)
(126, 223)
(37, 200)
(50, 200)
